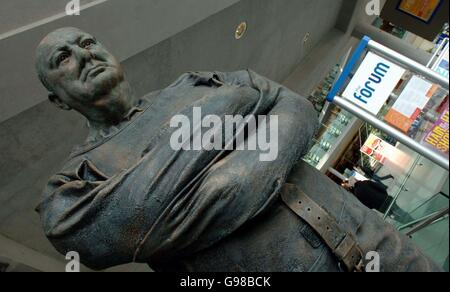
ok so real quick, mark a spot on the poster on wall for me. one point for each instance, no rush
(410, 103)
(437, 137)
(378, 149)
(421, 9)
(373, 83)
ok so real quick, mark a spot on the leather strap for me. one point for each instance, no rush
(341, 243)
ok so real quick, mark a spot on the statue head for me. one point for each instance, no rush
(79, 73)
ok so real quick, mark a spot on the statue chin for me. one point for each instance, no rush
(104, 82)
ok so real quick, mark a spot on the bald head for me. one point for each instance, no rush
(79, 72)
(45, 47)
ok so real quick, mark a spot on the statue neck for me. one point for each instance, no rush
(111, 110)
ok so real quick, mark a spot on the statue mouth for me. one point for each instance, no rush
(94, 71)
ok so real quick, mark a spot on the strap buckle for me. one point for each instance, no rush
(350, 254)
(342, 243)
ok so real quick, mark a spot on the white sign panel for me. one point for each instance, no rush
(414, 97)
(442, 64)
(373, 83)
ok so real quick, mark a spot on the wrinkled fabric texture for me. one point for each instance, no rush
(127, 196)
(279, 241)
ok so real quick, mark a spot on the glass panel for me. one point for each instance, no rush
(411, 184)
(423, 195)
(434, 241)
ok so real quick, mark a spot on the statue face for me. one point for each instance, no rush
(77, 69)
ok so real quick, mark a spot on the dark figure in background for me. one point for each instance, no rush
(127, 196)
(374, 196)
(372, 175)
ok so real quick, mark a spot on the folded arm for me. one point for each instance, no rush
(141, 213)
(240, 186)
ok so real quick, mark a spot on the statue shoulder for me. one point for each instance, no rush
(241, 77)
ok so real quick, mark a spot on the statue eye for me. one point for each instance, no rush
(61, 58)
(87, 43)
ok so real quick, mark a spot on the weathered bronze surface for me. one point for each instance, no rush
(126, 196)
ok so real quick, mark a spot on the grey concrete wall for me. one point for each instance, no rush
(19, 13)
(273, 45)
(127, 26)
(20, 258)
(34, 144)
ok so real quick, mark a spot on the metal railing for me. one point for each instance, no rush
(368, 44)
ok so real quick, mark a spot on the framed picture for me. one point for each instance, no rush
(424, 18)
(424, 10)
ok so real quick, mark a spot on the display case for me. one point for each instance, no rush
(335, 126)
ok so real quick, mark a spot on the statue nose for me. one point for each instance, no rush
(84, 55)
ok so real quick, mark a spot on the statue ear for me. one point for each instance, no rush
(58, 102)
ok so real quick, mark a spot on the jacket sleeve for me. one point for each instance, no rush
(105, 218)
(146, 214)
(241, 185)
(94, 215)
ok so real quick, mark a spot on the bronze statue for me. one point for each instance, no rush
(127, 196)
